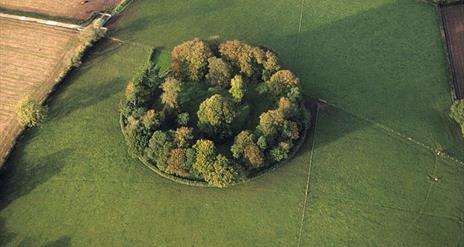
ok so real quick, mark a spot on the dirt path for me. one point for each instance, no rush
(105, 17)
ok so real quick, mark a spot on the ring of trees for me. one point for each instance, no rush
(224, 112)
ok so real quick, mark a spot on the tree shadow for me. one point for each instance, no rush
(5, 236)
(63, 241)
(165, 15)
(87, 94)
(328, 124)
(18, 178)
(83, 97)
(103, 48)
(379, 64)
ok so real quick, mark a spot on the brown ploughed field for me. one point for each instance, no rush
(31, 58)
(71, 9)
(453, 22)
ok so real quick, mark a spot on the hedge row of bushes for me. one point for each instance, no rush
(212, 143)
(457, 113)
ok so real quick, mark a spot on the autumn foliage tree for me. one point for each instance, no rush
(171, 90)
(190, 59)
(282, 82)
(216, 114)
(219, 72)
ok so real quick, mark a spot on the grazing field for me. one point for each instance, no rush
(31, 57)
(70, 9)
(365, 177)
(453, 18)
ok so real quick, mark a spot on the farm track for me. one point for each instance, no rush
(31, 58)
(453, 23)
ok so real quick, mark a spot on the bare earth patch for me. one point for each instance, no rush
(72, 9)
(453, 21)
(31, 58)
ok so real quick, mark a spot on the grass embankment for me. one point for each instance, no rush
(378, 59)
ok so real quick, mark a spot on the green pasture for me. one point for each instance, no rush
(356, 182)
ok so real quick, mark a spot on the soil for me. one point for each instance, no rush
(70, 9)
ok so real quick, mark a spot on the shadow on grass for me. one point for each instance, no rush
(63, 241)
(5, 236)
(18, 178)
(165, 16)
(104, 47)
(330, 125)
(83, 97)
(388, 69)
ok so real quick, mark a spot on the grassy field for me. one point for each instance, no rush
(379, 63)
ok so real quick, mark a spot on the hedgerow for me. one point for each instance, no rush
(224, 112)
(457, 113)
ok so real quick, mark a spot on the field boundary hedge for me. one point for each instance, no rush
(307, 127)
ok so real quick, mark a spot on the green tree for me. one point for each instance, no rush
(290, 130)
(215, 115)
(282, 82)
(215, 169)
(30, 113)
(262, 143)
(242, 140)
(205, 155)
(190, 59)
(141, 87)
(183, 119)
(270, 125)
(159, 147)
(222, 173)
(280, 152)
(294, 94)
(171, 90)
(238, 88)
(457, 113)
(137, 136)
(219, 72)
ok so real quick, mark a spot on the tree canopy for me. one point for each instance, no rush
(224, 110)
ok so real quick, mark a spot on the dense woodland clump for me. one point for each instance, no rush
(222, 112)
